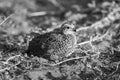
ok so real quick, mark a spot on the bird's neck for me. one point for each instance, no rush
(69, 32)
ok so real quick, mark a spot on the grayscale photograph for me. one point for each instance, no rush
(59, 39)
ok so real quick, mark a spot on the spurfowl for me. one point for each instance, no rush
(54, 45)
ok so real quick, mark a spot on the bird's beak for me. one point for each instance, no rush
(74, 29)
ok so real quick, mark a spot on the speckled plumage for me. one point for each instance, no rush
(53, 45)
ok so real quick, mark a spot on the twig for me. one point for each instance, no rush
(41, 13)
(6, 62)
(110, 18)
(82, 28)
(67, 60)
(6, 19)
(1, 70)
(94, 39)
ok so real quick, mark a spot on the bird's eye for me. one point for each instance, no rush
(68, 27)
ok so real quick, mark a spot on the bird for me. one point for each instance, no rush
(54, 45)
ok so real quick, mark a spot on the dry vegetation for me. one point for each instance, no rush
(98, 31)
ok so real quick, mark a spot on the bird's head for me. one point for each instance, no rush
(68, 28)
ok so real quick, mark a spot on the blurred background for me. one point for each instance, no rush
(21, 20)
